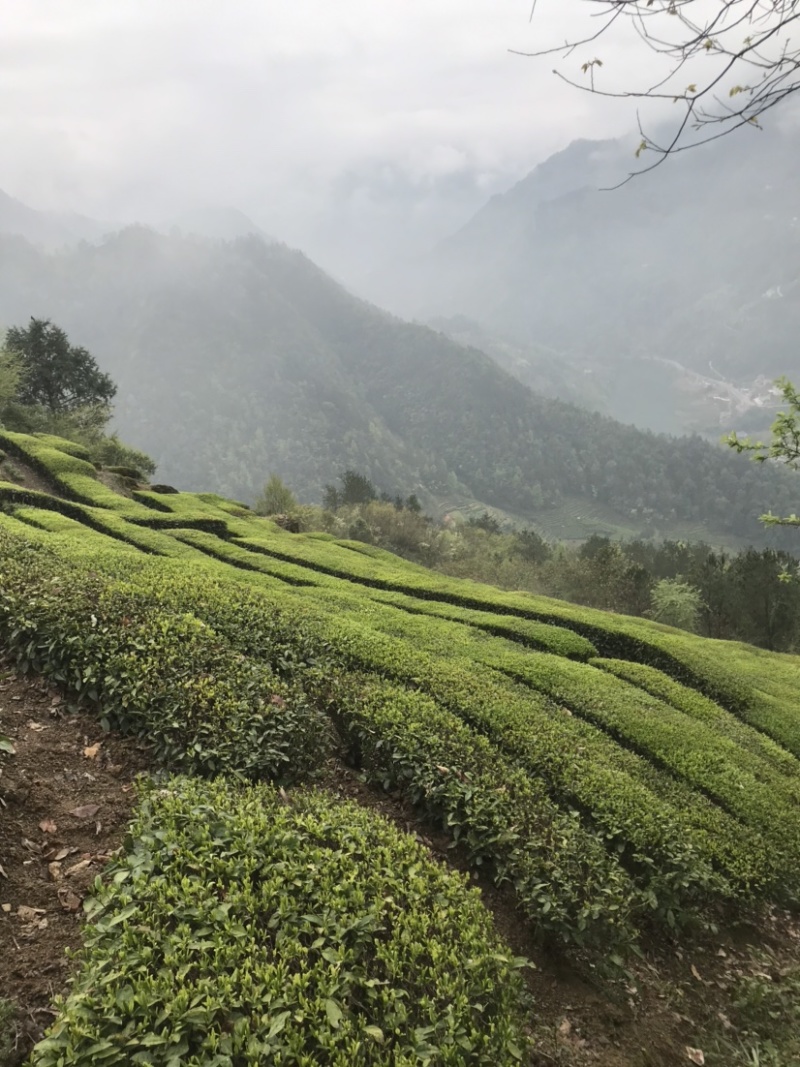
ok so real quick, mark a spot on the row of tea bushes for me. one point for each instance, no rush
(245, 928)
(528, 632)
(700, 707)
(619, 636)
(566, 883)
(670, 834)
(581, 766)
(155, 670)
(228, 552)
(668, 830)
(740, 780)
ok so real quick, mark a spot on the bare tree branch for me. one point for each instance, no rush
(740, 53)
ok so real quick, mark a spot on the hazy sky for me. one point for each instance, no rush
(293, 110)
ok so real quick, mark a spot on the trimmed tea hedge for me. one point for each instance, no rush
(694, 704)
(157, 672)
(242, 930)
(566, 883)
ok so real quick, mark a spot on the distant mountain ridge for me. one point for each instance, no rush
(235, 359)
(47, 229)
(681, 289)
(52, 230)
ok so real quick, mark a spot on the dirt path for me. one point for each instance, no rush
(65, 801)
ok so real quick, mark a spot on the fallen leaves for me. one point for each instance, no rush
(28, 914)
(695, 1055)
(81, 865)
(63, 853)
(69, 900)
(90, 752)
(47, 826)
(85, 811)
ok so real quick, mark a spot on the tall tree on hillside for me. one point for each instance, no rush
(54, 374)
(276, 498)
(355, 489)
(725, 63)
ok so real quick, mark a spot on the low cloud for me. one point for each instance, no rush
(139, 109)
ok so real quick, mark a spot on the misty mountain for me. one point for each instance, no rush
(237, 359)
(47, 229)
(681, 289)
(220, 223)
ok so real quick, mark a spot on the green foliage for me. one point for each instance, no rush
(10, 377)
(485, 522)
(160, 673)
(611, 770)
(565, 882)
(276, 498)
(8, 1029)
(676, 603)
(765, 1017)
(56, 375)
(784, 445)
(108, 450)
(354, 488)
(531, 546)
(240, 929)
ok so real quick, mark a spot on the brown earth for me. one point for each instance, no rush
(65, 800)
(66, 797)
(14, 470)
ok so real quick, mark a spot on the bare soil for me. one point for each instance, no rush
(14, 470)
(66, 797)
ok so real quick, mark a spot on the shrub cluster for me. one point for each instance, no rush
(243, 929)
(154, 670)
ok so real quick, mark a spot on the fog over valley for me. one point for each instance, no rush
(205, 198)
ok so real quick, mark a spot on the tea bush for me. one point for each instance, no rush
(244, 929)
(157, 672)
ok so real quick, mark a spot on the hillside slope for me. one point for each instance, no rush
(620, 779)
(686, 748)
(237, 359)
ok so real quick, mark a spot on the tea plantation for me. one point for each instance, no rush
(617, 776)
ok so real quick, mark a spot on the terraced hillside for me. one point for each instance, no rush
(616, 775)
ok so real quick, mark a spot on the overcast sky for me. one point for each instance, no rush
(292, 110)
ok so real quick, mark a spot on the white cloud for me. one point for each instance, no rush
(140, 108)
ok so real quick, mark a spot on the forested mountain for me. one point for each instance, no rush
(680, 290)
(237, 359)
